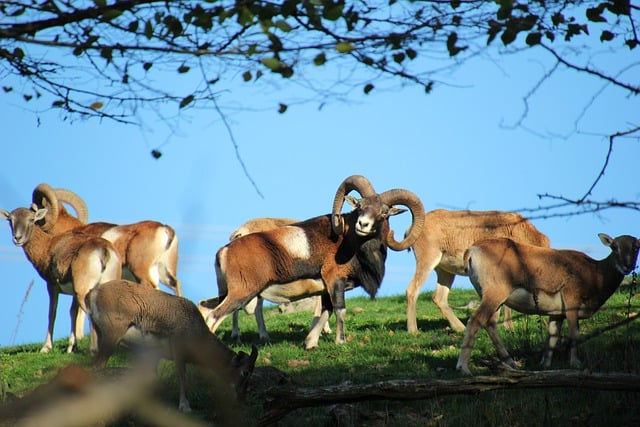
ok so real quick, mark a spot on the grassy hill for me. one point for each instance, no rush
(379, 348)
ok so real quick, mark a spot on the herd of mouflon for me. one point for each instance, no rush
(509, 262)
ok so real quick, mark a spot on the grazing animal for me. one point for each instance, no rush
(71, 263)
(533, 280)
(279, 294)
(343, 250)
(122, 310)
(148, 249)
(445, 236)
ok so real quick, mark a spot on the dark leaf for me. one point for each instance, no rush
(156, 154)
(271, 63)
(411, 53)
(594, 14)
(107, 53)
(147, 66)
(399, 57)
(333, 11)
(619, 7)
(148, 29)
(7, 89)
(345, 47)
(58, 103)
(606, 36)
(533, 38)
(557, 19)
(320, 59)
(528, 22)
(246, 76)
(286, 71)
(494, 28)
(451, 45)
(368, 88)
(183, 69)
(18, 53)
(282, 108)
(632, 43)
(110, 14)
(428, 87)
(186, 101)
(508, 36)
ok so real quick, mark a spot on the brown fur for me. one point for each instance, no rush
(118, 306)
(73, 258)
(445, 236)
(534, 280)
(137, 244)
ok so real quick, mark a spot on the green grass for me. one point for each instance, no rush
(379, 348)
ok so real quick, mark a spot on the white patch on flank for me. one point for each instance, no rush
(112, 234)
(295, 240)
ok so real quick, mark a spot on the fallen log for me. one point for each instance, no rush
(280, 401)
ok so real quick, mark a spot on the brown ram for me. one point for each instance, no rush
(71, 263)
(148, 249)
(344, 250)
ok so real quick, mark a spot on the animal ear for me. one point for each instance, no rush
(605, 239)
(4, 214)
(394, 210)
(40, 214)
(353, 202)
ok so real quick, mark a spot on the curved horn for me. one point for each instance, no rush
(76, 202)
(410, 200)
(353, 182)
(45, 197)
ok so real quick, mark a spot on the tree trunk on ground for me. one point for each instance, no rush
(282, 400)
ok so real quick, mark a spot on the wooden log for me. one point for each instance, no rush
(280, 401)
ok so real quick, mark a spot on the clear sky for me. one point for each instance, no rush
(455, 148)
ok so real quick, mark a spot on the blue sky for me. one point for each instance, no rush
(455, 148)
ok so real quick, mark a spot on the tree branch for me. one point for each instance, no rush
(281, 401)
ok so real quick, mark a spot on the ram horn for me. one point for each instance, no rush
(75, 201)
(45, 197)
(355, 182)
(410, 200)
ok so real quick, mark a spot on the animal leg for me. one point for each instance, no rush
(262, 327)
(507, 320)
(424, 266)
(441, 299)
(340, 309)
(235, 329)
(574, 331)
(477, 320)
(170, 280)
(316, 316)
(311, 341)
(80, 322)
(73, 312)
(224, 309)
(181, 372)
(492, 330)
(107, 345)
(53, 306)
(555, 328)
